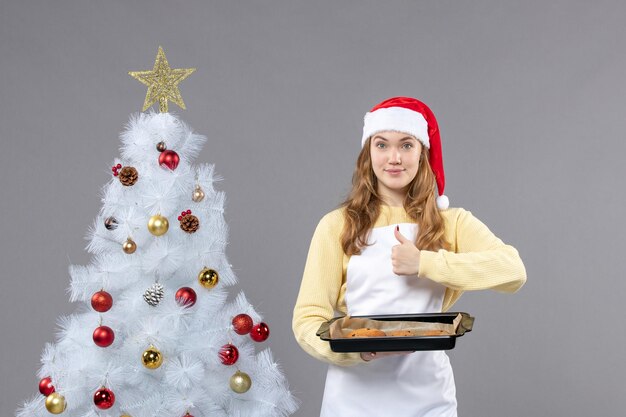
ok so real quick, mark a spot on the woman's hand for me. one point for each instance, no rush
(405, 257)
(368, 356)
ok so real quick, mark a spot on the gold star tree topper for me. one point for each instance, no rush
(162, 83)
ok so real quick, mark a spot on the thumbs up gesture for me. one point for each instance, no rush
(405, 257)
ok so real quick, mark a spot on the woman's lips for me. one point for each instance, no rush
(394, 171)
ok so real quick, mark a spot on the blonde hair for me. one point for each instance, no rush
(362, 206)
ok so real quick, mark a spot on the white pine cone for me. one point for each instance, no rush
(154, 294)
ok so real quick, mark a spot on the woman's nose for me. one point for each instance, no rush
(394, 157)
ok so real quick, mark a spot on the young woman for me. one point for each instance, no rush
(393, 247)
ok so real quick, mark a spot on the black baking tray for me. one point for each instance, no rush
(403, 343)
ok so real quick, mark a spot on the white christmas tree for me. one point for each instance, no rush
(155, 333)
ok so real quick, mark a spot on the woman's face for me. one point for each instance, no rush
(395, 160)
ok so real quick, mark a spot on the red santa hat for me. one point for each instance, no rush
(411, 116)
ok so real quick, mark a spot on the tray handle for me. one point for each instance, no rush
(467, 322)
(324, 328)
(324, 331)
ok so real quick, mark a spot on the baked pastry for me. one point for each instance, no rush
(403, 333)
(366, 332)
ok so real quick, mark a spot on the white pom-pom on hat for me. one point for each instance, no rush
(443, 202)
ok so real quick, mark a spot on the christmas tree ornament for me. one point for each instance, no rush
(55, 403)
(161, 146)
(129, 246)
(115, 169)
(158, 225)
(104, 398)
(187, 415)
(198, 194)
(186, 297)
(188, 222)
(128, 176)
(169, 159)
(152, 358)
(240, 382)
(208, 278)
(229, 354)
(110, 223)
(101, 301)
(45, 386)
(154, 294)
(103, 336)
(260, 332)
(162, 83)
(242, 324)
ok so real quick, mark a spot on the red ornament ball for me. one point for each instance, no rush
(186, 297)
(101, 301)
(229, 354)
(260, 332)
(242, 323)
(169, 159)
(45, 386)
(104, 398)
(103, 336)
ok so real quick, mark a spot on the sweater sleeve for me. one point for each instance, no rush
(480, 261)
(319, 292)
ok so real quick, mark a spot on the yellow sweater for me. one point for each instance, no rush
(477, 260)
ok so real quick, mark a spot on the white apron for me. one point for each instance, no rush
(420, 384)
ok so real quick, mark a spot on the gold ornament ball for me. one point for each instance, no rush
(240, 382)
(161, 146)
(208, 278)
(198, 194)
(158, 225)
(55, 403)
(125, 415)
(129, 246)
(152, 358)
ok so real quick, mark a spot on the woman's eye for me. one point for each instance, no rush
(380, 145)
(407, 146)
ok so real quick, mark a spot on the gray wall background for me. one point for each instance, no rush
(530, 99)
